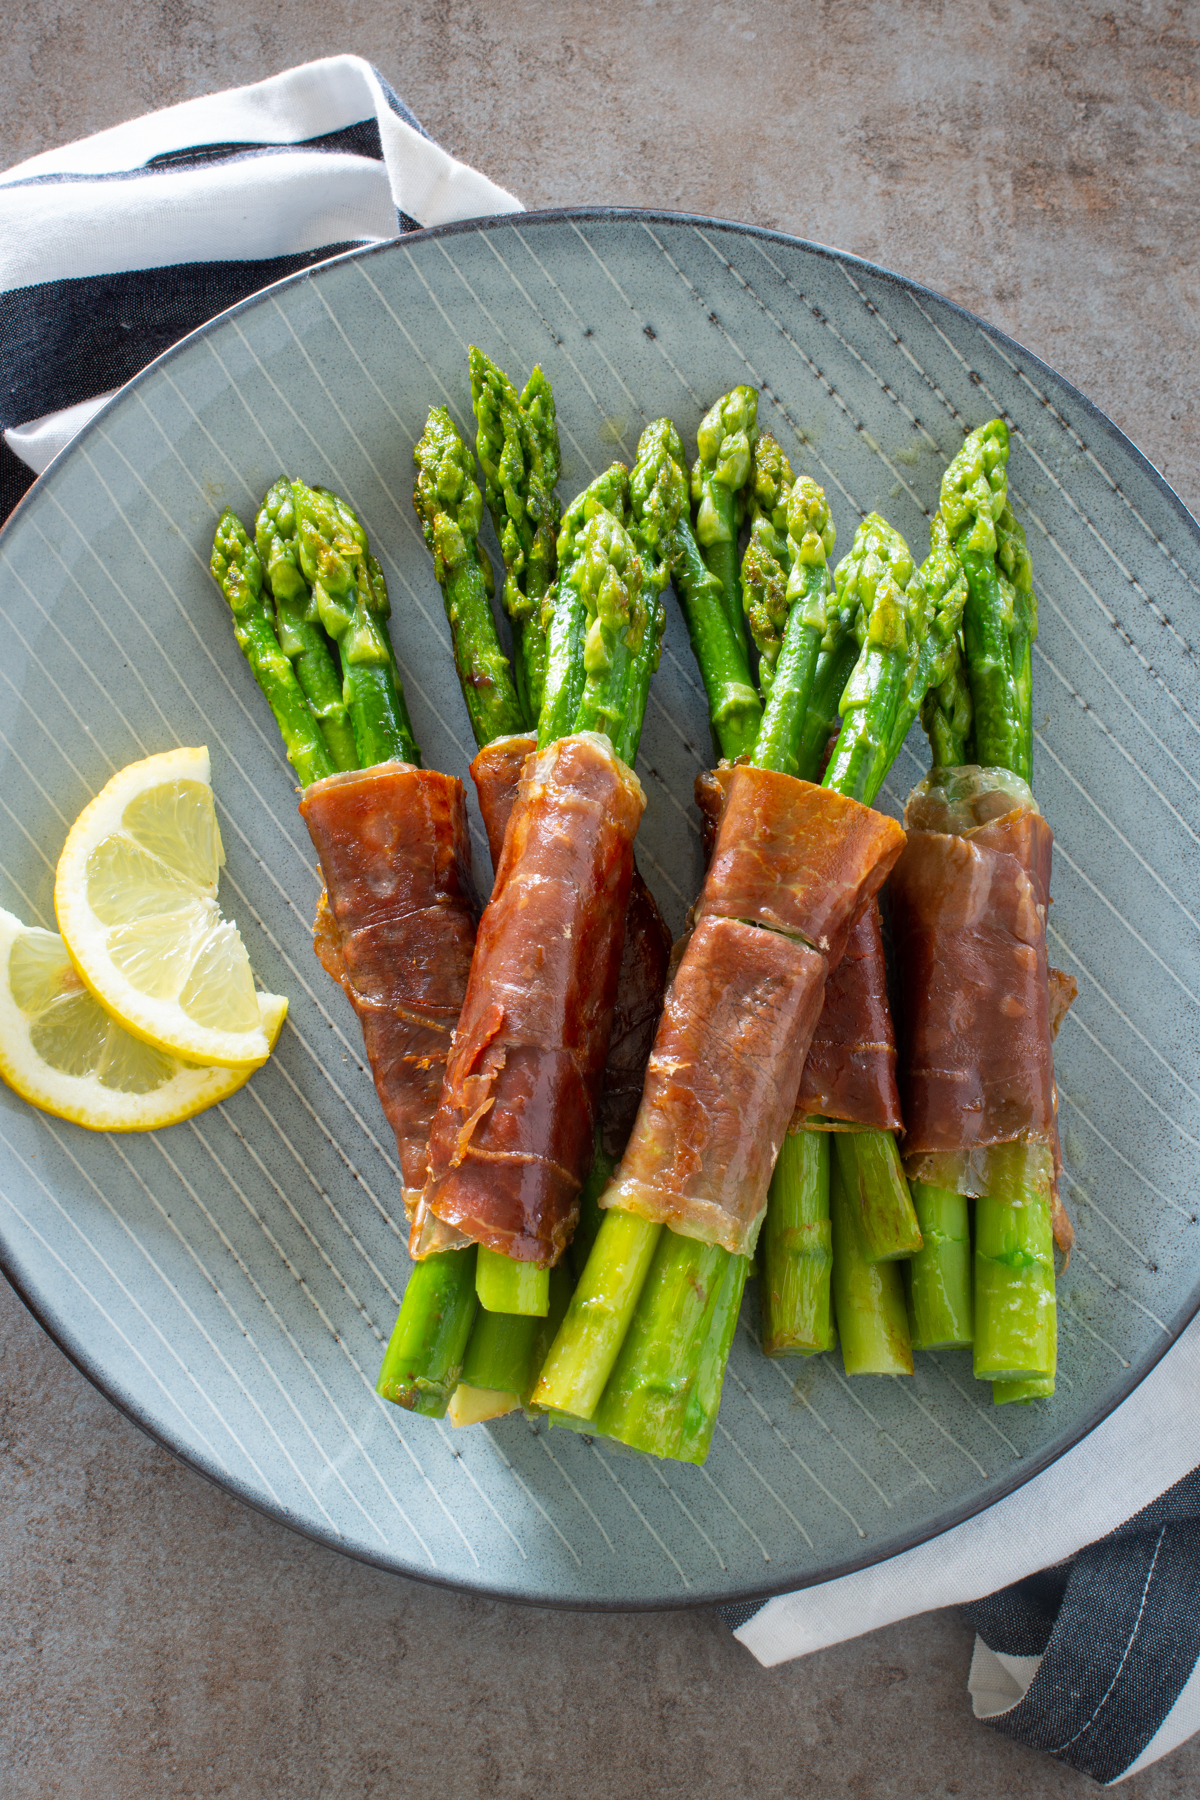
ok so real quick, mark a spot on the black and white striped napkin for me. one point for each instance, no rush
(112, 249)
(115, 247)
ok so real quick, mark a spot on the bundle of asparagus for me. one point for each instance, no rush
(588, 648)
(642, 1349)
(971, 893)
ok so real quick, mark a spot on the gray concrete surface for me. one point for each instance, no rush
(1036, 162)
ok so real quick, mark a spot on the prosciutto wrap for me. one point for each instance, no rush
(792, 867)
(513, 1135)
(645, 955)
(849, 1078)
(395, 928)
(969, 902)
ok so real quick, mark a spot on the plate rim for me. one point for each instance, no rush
(1028, 1467)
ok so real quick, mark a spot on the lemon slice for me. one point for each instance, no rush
(62, 1051)
(136, 898)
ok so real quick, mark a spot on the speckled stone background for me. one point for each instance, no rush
(1038, 163)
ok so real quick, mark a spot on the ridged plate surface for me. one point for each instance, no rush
(231, 1282)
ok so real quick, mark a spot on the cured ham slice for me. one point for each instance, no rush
(721, 1082)
(512, 1137)
(969, 902)
(849, 1074)
(395, 928)
(792, 867)
(645, 955)
(796, 858)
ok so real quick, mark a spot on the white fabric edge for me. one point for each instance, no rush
(997, 1682)
(222, 213)
(39, 442)
(1150, 1442)
(427, 183)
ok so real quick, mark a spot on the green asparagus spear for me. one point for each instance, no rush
(868, 1297)
(940, 1296)
(947, 718)
(734, 710)
(423, 1360)
(878, 570)
(620, 573)
(1000, 616)
(657, 502)
(874, 1179)
(604, 659)
(297, 623)
(505, 1285)
(934, 662)
(645, 1401)
(704, 1400)
(237, 570)
(565, 612)
(582, 1355)
(834, 668)
(767, 561)
(333, 563)
(1015, 1329)
(450, 508)
(795, 1250)
(608, 575)
(812, 611)
(1015, 1308)
(517, 444)
(1012, 556)
(725, 443)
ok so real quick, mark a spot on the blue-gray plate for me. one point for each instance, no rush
(231, 1282)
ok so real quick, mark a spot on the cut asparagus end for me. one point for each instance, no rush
(582, 1355)
(941, 1300)
(1015, 1311)
(870, 1167)
(507, 1286)
(1034, 1387)
(423, 1360)
(645, 1401)
(868, 1297)
(796, 1250)
(474, 1405)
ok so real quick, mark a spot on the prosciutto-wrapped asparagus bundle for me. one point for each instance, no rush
(513, 1135)
(395, 922)
(516, 1134)
(970, 897)
(794, 865)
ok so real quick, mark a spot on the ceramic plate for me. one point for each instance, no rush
(231, 1282)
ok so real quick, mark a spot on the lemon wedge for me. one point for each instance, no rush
(60, 1050)
(136, 898)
